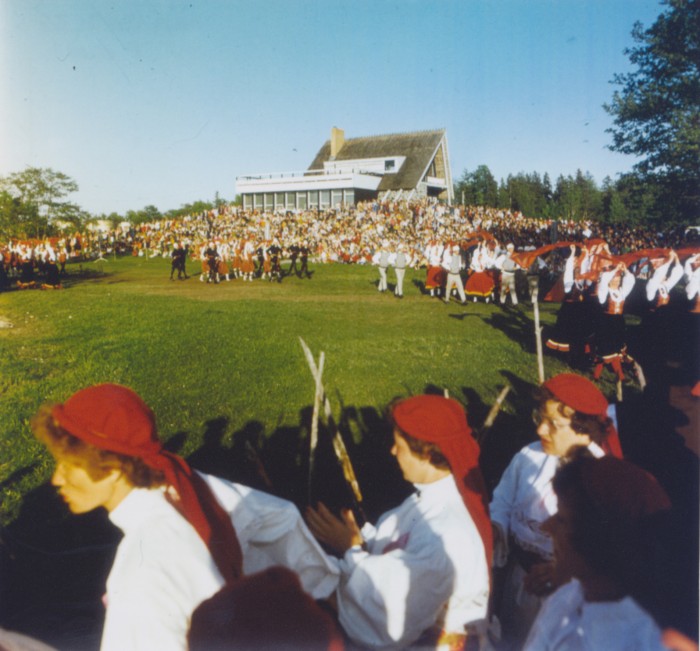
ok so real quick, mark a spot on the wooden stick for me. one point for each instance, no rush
(338, 443)
(493, 412)
(313, 441)
(538, 335)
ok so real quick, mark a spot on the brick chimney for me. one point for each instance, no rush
(337, 141)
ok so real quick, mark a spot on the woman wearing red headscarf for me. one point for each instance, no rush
(421, 575)
(571, 412)
(179, 546)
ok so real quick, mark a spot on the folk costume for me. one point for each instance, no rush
(435, 275)
(691, 269)
(180, 546)
(453, 264)
(381, 259)
(574, 327)
(658, 327)
(247, 261)
(399, 261)
(508, 267)
(480, 282)
(423, 578)
(610, 337)
(524, 499)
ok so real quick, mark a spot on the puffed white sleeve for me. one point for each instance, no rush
(388, 600)
(628, 281)
(604, 285)
(654, 282)
(569, 273)
(271, 532)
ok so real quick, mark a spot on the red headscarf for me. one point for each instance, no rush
(443, 421)
(114, 418)
(583, 396)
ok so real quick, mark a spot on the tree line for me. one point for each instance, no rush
(629, 199)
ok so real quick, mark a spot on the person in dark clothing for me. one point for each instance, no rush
(293, 250)
(179, 257)
(275, 253)
(304, 258)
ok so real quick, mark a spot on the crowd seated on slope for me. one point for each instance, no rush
(349, 235)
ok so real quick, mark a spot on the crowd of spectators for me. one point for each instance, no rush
(349, 235)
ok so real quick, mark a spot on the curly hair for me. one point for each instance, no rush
(594, 426)
(98, 463)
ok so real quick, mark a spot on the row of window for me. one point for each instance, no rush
(299, 200)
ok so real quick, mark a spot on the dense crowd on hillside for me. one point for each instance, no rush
(350, 235)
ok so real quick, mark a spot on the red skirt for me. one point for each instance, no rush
(479, 283)
(436, 277)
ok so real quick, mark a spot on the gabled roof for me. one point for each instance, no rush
(418, 147)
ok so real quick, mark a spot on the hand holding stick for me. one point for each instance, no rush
(338, 443)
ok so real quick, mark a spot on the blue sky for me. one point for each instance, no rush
(166, 102)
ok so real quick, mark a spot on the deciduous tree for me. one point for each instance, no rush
(39, 196)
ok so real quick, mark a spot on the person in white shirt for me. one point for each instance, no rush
(602, 505)
(452, 262)
(614, 286)
(571, 411)
(420, 577)
(399, 260)
(381, 259)
(435, 274)
(179, 545)
(508, 267)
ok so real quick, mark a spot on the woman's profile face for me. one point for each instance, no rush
(79, 490)
(554, 429)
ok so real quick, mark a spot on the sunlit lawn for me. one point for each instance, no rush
(230, 353)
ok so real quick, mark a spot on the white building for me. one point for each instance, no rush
(395, 166)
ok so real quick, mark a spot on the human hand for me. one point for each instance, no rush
(542, 579)
(338, 534)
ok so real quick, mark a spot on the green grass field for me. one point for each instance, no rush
(226, 358)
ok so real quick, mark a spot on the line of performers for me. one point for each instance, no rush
(36, 264)
(593, 288)
(246, 260)
(490, 272)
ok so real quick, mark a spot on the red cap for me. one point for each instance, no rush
(110, 417)
(443, 421)
(579, 393)
(583, 396)
(115, 418)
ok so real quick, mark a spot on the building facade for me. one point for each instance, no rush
(344, 172)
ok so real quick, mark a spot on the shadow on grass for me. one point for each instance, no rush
(54, 565)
